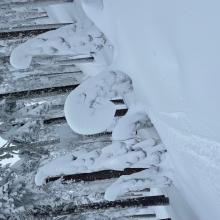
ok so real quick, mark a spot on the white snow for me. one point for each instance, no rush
(131, 150)
(171, 50)
(2, 142)
(14, 157)
(148, 178)
(128, 125)
(68, 40)
(116, 156)
(89, 104)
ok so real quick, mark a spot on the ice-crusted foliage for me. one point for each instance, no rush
(21, 123)
(21, 126)
(18, 193)
(73, 39)
(12, 192)
(15, 17)
(88, 103)
(12, 110)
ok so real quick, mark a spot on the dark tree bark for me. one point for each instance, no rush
(73, 209)
(38, 92)
(99, 175)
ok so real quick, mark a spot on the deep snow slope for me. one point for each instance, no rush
(171, 50)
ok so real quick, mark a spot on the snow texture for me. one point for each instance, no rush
(71, 39)
(149, 178)
(117, 156)
(145, 151)
(86, 106)
(170, 49)
(134, 120)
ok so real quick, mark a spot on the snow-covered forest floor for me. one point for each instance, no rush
(140, 59)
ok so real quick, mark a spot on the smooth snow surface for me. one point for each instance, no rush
(11, 160)
(171, 51)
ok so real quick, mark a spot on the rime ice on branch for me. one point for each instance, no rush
(74, 39)
(138, 181)
(88, 108)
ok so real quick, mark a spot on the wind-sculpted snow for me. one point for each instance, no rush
(73, 39)
(88, 108)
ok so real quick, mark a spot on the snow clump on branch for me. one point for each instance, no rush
(138, 181)
(73, 40)
(88, 108)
